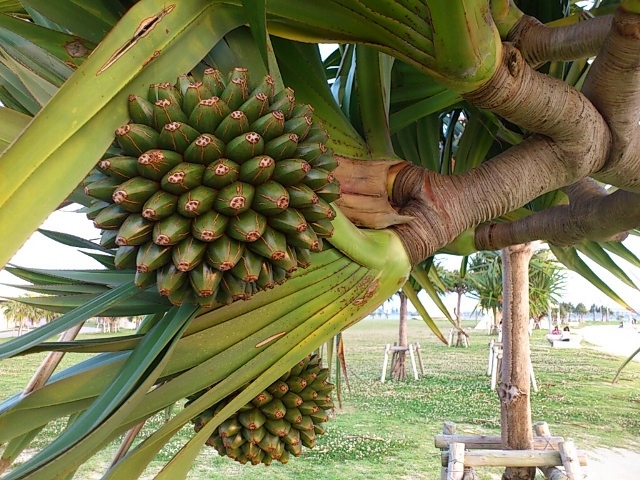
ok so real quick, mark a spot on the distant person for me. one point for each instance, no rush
(621, 325)
(555, 331)
(566, 334)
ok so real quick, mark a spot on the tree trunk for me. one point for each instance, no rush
(497, 320)
(399, 369)
(515, 401)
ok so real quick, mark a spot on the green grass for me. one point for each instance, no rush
(385, 431)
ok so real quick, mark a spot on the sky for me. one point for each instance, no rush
(41, 252)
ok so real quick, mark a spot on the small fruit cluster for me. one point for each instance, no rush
(221, 189)
(279, 421)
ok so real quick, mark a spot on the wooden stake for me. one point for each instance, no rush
(456, 461)
(413, 362)
(384, 363)
(542, 431)
(449, 428)
(571, 460)
(420, 359)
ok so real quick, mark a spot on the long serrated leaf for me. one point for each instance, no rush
(67, 48)
(136, 305)
(373, 73)
(91, 19)
(623, 252)
(39, 88)
(107, 261)
(94, 345)
(415, 301)
(35, 58)
(423, 280)
(61, 288)
(72, 240)
(255, 11)
(624, 364)
(302, 69)
(86, 311)
(409, 115)
(428, 140)
(568, 256)
(99, 277)
(596, 253)
(63, 143)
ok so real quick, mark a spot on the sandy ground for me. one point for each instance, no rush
(613, 463)
(613, 340)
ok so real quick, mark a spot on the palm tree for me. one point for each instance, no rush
(485, 285)
(455, 282)
(435, 105)
(581, 311)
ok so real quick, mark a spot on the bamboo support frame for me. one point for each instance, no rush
(462, 453)
(414, 351)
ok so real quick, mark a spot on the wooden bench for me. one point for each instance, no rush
(574, 342)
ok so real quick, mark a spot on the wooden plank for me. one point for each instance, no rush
(515, 458)
(491, 442)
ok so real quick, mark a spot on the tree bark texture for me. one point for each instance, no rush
(514, 387)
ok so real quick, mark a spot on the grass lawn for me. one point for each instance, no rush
(385, 431)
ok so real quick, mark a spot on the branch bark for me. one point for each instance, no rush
(593, 214)
(540, 44)
(613, 85)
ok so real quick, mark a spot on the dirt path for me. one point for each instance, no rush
(613, 340)
(613, 463)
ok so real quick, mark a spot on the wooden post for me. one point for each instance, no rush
(550, 473)
(497, 362)
(456, 461)
(384, 363)
(420, 359)
(450, 337)
(570, 460)
(490, 363)
(534, 384)
(413, 362)
(449, 428)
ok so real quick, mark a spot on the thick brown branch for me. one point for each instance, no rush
(576, 144)
(539, 43)
(613, 85)
(591, 217)
(550, 107)
(444, 206)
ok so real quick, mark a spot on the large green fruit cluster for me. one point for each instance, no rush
(220, 188)
(279, 421)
